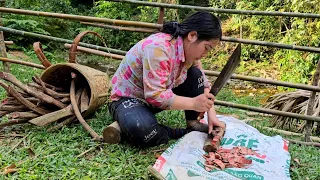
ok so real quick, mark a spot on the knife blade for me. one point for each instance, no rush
(225, 74)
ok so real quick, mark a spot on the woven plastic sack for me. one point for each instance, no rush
(183, 160)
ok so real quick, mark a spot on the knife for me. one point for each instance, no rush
(225, 74)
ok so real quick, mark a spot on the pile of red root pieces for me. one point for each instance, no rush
(228, 158)
(42, 104)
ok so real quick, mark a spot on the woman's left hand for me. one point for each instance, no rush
(212, 117)
(213, 120)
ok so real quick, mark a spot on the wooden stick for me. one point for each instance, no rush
(22, 100)
(84, 102)
(11, 108)
(38, 50)
(77, 112)
(47, 85)
(56, 115)
(22, 63)
(52, 117)
(22, 115)
(50, 92)
(13, 122)
(85, 152)
(48, 99)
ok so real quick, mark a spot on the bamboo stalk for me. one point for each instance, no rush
(61, 40)
(219, 10)
(96, 52)
(120, 28)
(48, 99)
(78, 18)
(313, 138)
(268, 111)
(22, 63)
(8, 42)
(304, 143)
(266, 81)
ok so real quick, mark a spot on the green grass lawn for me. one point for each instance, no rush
(58, 155)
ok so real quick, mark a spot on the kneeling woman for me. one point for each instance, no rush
(163, 72)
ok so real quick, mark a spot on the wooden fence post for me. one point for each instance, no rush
(309, 124)
(6, 65)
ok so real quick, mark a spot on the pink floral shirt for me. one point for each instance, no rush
(151, 69)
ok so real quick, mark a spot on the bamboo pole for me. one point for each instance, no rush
(22, 63)
(313, 138)
(304, 143)
(255, 42)
(8, 42)
(79, 18)
(267, 81)
(267, 111)
(45, 37)
(6, 66)
(96, 52)
(271, 44)
(142, 24)
(144, 30)
(210, 73)
(218, 10)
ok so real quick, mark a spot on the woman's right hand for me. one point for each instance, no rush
(203, 102)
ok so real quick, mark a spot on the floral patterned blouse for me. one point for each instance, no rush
(151, 69)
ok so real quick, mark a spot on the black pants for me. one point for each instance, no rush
(137, 119)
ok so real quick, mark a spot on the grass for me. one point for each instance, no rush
(43, 155)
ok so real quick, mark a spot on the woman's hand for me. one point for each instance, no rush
(213, 120)
(203, 102)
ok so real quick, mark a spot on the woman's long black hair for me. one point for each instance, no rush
(207, 26)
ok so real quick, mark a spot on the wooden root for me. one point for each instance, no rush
(77, 111)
